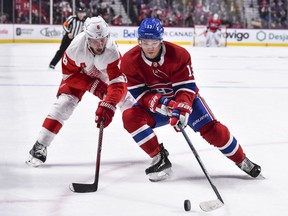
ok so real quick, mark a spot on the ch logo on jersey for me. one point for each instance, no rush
(163, 89)
(159, 73)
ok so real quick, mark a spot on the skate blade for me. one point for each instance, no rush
(33, 162)
(161, 176)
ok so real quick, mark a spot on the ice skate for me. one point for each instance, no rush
(37, 155)
(160, 168)
(250, 168)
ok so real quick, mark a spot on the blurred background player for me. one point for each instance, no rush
(213, 32)
(88, 64)
(72, 27)
(161, 79)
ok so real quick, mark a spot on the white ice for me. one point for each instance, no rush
(247, 90)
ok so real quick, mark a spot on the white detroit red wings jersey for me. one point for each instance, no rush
(78, 56)
(80, 67)
(172, 76)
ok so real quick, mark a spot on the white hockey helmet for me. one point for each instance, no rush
(97, 34)
(215, 16)
(96, 28)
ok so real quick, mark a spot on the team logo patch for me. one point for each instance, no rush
(162, 88)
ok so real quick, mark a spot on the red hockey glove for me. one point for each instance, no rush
(104, 111)
(98, 88)
(180, 114)
(160, 104)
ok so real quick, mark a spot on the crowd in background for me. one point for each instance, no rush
(274, 15)
(271, 13)
(190, 13)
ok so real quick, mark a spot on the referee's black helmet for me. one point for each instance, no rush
(81, 10)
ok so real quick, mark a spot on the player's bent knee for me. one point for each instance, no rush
(64, 106)
(215, 133)
(133, 118)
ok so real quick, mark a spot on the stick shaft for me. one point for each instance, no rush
(98, 156)
(200, 163)
(86, 188)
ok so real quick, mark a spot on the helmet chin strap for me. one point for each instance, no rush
(90, 50)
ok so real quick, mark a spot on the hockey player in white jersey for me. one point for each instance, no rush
(89, 64)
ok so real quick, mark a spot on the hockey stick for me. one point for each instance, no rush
(205, 205)
(86, 188)
(202, 33)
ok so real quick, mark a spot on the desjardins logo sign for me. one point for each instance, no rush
(281, 36)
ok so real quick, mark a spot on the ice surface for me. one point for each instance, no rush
(246, 88)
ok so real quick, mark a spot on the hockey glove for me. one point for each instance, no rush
(160, 104)
(180, 114)
(98, 88)
(106, 112)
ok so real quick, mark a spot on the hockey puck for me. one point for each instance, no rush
(187, 205)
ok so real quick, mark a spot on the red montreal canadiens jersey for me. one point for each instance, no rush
(214, 25)
(172, 76)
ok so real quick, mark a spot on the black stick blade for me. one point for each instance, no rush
(83, 188)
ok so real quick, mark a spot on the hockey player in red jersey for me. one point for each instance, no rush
(213, 31)
(89, 64)
(161, 79)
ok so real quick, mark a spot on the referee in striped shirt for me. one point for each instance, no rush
(72, 26)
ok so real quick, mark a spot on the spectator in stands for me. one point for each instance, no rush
(264, 13)
(117, 20)
(189, 14)
(4, 18)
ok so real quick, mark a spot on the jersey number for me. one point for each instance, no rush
(190, 71)
(65, 61)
